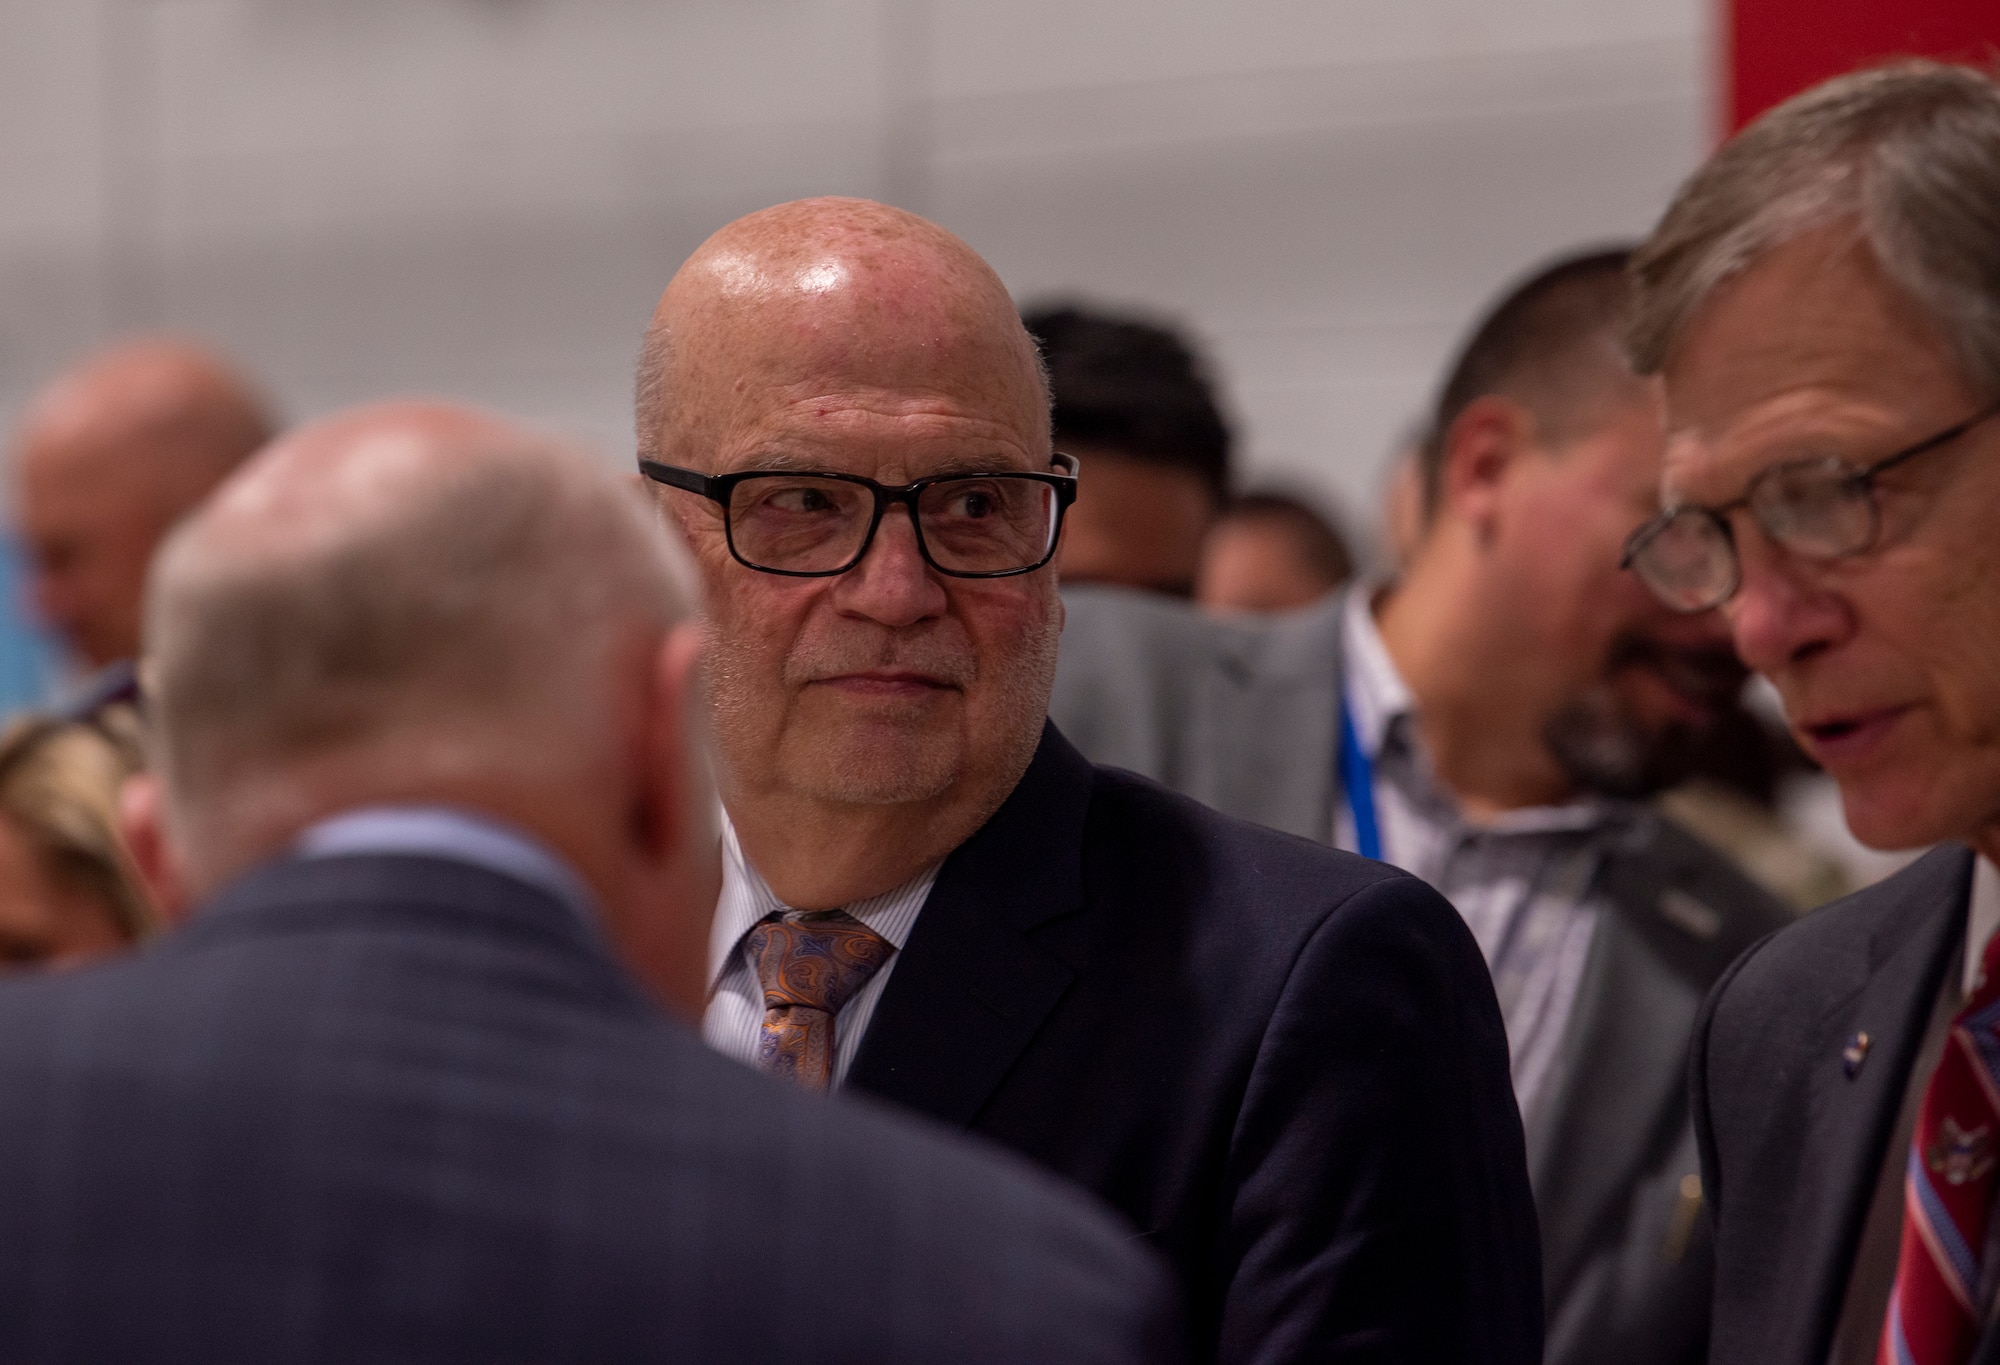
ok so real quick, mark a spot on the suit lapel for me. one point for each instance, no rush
(1658, 944)
(1848, 1121)
(1628, 1040)
(970, 989)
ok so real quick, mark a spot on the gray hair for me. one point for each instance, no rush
(649, 388)
(1909, 152)
(456, 603)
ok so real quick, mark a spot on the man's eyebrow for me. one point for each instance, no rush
(795, 462)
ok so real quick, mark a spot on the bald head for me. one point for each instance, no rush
(106, 459)
(404, 602)
(829, 296)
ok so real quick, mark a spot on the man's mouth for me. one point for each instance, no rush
(886, 682)
(1834, 741)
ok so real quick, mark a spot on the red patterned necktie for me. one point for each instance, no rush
(810, 963)
(1935, 1313)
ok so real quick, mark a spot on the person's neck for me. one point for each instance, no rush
(821, 855)
(261, 819)
(1481, 727)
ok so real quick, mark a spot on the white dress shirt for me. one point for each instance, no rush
(1521, 881)
(734, 1020)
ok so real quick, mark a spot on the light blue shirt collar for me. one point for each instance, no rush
(448, 832)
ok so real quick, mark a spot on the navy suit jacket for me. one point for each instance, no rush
(397, 1108)
(1283, 1062)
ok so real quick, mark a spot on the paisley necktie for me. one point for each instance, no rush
(809, 963)
(1935, 1310)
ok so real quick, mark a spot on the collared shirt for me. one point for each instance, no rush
(1522, 882)
(1873, 1273)
(448, 832)
(734, 1020)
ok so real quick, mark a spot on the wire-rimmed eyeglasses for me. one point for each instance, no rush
(1818, 508)
(816, 525)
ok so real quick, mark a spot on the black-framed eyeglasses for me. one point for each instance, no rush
(1818, 508)
(814, 525)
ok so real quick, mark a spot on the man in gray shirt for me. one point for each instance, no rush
(1488, 723)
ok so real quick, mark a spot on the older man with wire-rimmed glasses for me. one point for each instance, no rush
(1823, 301)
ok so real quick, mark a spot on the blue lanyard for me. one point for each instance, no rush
(1357, 779)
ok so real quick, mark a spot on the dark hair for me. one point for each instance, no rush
(1552, 343)
(1318, 541)
(1131, 386)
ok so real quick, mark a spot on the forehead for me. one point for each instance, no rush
(835, 349)
(1811, 350)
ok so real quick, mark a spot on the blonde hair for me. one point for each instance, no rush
(59, 784)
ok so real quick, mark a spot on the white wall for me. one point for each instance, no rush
(484, 197)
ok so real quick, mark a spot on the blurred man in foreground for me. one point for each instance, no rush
(1269, 552)
(1134, 405)
(1282, 1063)
(106, 460)
(1487, 723)
(1823, 299)
(427, 769)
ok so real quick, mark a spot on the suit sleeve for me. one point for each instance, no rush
(1381, 1209)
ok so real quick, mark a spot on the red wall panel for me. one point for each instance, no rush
(1779, 47)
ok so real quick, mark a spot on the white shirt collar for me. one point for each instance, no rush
(1376, 692)
(746, 899)
(1982, 918)
(448, 832)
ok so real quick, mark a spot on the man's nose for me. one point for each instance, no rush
(892, 584)
(1782, 614)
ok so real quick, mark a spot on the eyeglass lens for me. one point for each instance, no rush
(800, 523)
(1814, 508)
(1691, 563)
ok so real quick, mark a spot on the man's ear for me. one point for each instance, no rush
(142, 823)
(1482, 447)
(672, 745)
(663, 934)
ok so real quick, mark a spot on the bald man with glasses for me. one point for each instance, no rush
(1284, 1065)
(1823, 303)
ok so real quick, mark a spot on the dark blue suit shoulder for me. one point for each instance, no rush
(1136, 818)
(1793, 971)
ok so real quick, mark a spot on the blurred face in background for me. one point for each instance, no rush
(1888, 660)
(1270, 552)
(1627, 679)
(88, 531)
(1136, 523)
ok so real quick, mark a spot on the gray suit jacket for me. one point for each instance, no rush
(1243, 714)
(1796, 1122)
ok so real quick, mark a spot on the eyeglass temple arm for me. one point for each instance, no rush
(1925, 447)
(693, 481)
